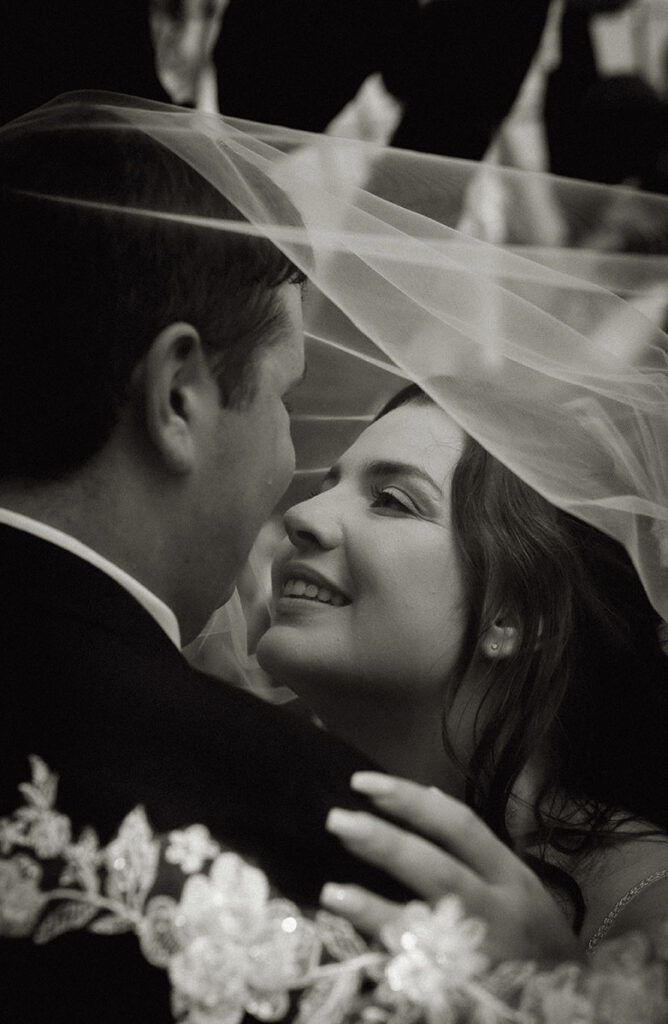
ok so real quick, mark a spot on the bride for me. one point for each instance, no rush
(437, 613)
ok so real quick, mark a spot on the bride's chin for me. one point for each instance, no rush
(276, 655)
(286, 660)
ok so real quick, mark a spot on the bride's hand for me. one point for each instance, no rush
(454, 852)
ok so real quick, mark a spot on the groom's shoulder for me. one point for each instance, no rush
(78, 650)
(93, 686)
(75, 644)
(74, 632)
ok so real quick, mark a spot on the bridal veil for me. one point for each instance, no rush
(533, 309)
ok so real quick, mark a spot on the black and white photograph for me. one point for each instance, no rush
(334, 512)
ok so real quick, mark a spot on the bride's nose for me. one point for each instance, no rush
(313, 523)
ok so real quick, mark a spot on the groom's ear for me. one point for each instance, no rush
(178, 395)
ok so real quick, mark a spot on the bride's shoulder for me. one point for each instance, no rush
(625, 885)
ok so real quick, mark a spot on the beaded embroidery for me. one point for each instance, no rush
(229, 946)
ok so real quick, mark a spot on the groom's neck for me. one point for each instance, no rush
(104, 518)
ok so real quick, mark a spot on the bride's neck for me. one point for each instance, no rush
(402, 738)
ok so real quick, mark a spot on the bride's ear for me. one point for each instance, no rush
(500, 640)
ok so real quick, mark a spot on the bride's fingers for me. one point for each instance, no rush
(409, 858)
(440, 818)
(366, 912)
(523, 920)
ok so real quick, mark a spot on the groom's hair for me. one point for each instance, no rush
(85, 290)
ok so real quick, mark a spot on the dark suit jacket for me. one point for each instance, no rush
(457, 65)
(92, 685)
(297, 64)
(469, 59)
(51, 48)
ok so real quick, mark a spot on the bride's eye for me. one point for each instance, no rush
(392, 499)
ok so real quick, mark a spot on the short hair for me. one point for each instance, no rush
(586, 690)
(86, 290)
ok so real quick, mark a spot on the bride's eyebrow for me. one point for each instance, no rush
(385, 468)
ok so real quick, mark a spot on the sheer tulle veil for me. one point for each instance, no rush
(533, 309)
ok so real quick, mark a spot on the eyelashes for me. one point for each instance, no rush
(388, 498)
(392, 499)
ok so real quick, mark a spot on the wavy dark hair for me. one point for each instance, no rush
(586, 692)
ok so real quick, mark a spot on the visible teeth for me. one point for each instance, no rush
(300, 588)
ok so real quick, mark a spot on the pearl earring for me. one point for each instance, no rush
(494, 647)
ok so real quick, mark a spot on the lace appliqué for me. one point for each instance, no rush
(230, 947)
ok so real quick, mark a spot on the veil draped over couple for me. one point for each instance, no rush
(470, 596)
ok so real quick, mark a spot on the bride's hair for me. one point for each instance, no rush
(88, 284)
(585, 694)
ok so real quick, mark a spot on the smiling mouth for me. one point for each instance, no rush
(304, 589)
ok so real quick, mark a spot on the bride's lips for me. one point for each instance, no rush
(300, 583)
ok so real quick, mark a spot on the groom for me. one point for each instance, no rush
(143, 441)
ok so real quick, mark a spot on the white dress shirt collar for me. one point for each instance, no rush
(162, 614)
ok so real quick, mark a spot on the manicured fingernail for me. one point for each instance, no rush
(373, 783)
(348, 824)
(340, 897)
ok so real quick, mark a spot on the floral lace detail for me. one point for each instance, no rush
(191, 848)
(230, 947)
